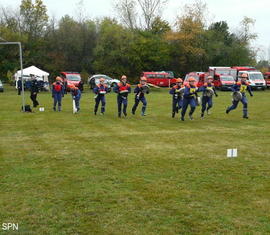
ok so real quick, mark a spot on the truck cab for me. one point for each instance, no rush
(72, 78)
(224, 77)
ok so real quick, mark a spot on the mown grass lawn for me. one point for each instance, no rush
(83, 174)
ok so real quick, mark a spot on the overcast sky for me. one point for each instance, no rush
(231, 11)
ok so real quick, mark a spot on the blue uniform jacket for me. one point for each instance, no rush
(139, 91)
(120, 87)
(76, 93)
(190, 92)
(203, 88)
(242, 87)
(99, 88)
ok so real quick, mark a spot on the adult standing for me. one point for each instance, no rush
(34, 90)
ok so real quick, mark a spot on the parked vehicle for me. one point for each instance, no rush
(267, 79)
(224, 77)
(225, 82)
(1, 86)
(199, 76)
(72, 78)
(94, 81)
(170, 73)
(162, 79)
(255, 78)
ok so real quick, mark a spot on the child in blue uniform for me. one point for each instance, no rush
(177, 98)
(76, 95)
(190, 94)
(208, 90)
(57, 93)
(140, 91)
(241, 87)
(122, 89)
(100, 90)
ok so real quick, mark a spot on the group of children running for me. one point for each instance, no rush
(183, 95)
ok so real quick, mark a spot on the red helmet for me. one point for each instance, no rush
(144, 79)
(179, 80)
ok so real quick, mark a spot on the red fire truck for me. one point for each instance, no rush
(224, 77)
(161, 79)
(267, 79)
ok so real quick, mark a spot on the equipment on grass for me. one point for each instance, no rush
(74, 107)
(237, 96)
(198, 100)
(27, 108)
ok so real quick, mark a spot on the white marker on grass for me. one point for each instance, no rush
(231, 152)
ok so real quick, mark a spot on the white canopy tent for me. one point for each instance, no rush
(32, 70)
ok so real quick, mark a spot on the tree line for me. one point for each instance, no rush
(139, 39)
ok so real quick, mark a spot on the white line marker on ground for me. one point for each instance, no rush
(232, 153)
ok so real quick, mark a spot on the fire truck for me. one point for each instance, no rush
(224, 77)
(255, 77)
(161, 79)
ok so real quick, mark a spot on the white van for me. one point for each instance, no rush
(255, 78)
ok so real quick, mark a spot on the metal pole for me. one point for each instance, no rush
(21, 64)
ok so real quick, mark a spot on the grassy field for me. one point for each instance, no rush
(83, 174)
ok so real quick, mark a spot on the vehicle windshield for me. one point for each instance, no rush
(155, 76)
(231, 72)
(226, 78)
(255, 76)
(74, 77)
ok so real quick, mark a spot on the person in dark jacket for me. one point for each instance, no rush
(241, 87)
(19, 86)
(34, 91)
(122, 89)
(57, 93)
(100, 90)
(80, 86)
(140, 91)
(190, 95)
(208, 90)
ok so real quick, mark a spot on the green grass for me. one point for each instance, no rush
(83, 174)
